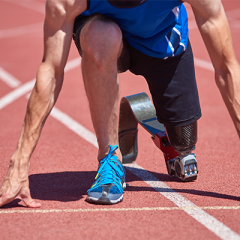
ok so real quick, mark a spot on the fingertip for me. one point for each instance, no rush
(35, 205)
(32, 204)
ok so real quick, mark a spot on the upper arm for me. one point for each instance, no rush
(213, 25)
(205, 9)
(58, 27)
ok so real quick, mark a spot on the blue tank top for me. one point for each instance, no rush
(158, 28)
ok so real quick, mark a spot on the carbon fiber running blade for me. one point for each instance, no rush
(135, 109)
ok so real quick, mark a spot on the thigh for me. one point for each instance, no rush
(172, 85)
(80, 21)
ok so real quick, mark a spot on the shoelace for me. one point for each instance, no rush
(110, 171)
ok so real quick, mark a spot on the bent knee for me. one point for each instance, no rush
(101, 39)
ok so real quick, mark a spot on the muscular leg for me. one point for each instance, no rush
(101, 43)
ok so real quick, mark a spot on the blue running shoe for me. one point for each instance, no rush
(110, 181)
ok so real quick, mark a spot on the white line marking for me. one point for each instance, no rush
(73, 64)
(12, 32)
(192, 24)
(74, 126)
(118, 209)
(235, 23)
(201, 216)
(25, 88)
(15, 94)
(203, 64)
(9, 79)
(234, 13)
(32, 5)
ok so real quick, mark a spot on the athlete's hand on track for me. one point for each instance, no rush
(15, 188)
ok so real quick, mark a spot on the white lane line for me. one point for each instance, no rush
(235, 23)
(74, 126)
(25, 88)
(193, 210)
(201, 216)
(192, 24)
(32, 5)
(190, 208)
(117, 209)
(12, 32)
(9, 79)
(234, 13)
(17, 93)
(203, 64)
(74, 63)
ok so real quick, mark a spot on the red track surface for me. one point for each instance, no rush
(63, 165)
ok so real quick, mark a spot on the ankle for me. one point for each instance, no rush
(102, 154)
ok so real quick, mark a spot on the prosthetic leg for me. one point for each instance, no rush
(176, 143)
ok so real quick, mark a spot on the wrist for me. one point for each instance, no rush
(21, 165)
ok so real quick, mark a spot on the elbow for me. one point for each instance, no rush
(227, 79)
(48, 78)
(51, 71)
(224, 72)
(220, 80)
(224, 80)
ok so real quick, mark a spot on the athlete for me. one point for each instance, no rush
(148, 37)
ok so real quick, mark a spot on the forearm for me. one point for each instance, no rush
(214, 28)
(40, 104)
(228, 82)
(217, 37)
(58, 27)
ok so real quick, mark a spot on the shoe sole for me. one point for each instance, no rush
(104, 201)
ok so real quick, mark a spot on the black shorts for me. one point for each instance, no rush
(171, 81)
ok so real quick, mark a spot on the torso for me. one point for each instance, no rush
(157, 28)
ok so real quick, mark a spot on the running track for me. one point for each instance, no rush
(63, 165)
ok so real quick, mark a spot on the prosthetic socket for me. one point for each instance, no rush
(177, 144)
